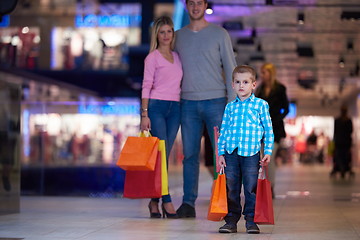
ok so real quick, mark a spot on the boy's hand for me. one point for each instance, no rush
(221, 162)
(266, 160)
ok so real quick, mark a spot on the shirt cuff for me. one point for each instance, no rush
(221, 152)
(268, 152)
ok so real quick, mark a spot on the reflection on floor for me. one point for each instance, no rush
(308, 205)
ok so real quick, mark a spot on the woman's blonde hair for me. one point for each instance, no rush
(272, 70)
(158, 23)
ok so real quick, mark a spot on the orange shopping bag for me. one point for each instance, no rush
(264, 212)
(218, 207)
(139, 153)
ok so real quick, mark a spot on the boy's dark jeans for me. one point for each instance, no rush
(241, 170)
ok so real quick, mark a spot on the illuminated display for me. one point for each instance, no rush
(292, 110)
(5, 21)
(93, 20)
(118, 109)
(108, 15)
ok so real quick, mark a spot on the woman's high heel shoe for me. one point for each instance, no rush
(167, 214)
(153, 214)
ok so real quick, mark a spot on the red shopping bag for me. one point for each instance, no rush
(264, 213)
(139, 153)
(144, 184)
(218, 207)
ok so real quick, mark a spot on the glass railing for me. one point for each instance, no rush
(71, 148)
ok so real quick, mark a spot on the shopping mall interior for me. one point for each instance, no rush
(71, 75)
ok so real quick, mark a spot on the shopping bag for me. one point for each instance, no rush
(139, 153)
(264, 213)
(144, 184)
(164, 172)
(218, 207)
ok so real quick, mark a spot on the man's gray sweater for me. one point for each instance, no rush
(207, 58)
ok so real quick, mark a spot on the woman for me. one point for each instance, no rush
(274, 93)
(160, 106)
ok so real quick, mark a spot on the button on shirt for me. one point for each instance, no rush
(244, 126)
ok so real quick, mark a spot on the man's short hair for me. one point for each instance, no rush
(205, 1)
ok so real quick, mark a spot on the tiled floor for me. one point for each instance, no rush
(309, 205)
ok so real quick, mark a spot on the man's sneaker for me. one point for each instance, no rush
(186, 211)
(252, 228)
(228, 228)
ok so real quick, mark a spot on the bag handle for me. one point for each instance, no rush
(263, 172)
(222, 170)
(145, 133)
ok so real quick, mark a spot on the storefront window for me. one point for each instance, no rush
(92, 48)
(19, 47)
(75, 134)
(100, 38)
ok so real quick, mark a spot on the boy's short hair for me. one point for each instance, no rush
(245, 69)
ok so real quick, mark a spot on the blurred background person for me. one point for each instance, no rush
(311, 148)
(274, 93)
(343, 129)
(321, 145)
(160, 101)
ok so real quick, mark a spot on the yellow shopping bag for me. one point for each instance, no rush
(164, 173)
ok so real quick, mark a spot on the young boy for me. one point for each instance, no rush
(246, 124)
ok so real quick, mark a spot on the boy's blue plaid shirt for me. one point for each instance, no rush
(244, 126)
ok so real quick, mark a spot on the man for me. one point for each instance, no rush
(207, 56)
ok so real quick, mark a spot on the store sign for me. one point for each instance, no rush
(120, 109)
(116, 20)
(5, 21)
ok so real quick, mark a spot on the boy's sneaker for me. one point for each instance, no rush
(252, 227)
(228, 228)
(186, 211)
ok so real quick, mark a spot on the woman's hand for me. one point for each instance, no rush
(145, 124)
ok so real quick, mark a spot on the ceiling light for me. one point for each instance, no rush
(209, 10)
(25, 30)
(301, 18)
(341, 62)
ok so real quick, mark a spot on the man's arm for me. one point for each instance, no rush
(228, 62)
(222, 141)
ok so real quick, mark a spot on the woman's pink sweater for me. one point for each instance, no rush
(162, 79)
